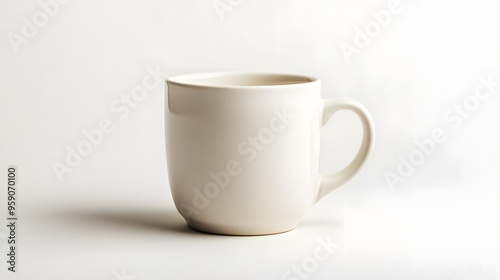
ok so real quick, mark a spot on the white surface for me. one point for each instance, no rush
(115, 211)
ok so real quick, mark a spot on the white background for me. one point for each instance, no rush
(112, 217)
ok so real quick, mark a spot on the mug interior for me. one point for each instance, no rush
(239, 79)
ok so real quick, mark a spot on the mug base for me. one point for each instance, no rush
(238, 231)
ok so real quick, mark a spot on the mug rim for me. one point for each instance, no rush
(287, 80)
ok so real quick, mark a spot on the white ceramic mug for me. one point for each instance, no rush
(243, 148)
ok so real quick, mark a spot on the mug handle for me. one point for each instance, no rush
(328, 107)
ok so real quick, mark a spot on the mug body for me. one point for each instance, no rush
(242, 150)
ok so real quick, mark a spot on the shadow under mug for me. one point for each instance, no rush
(243, 149)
